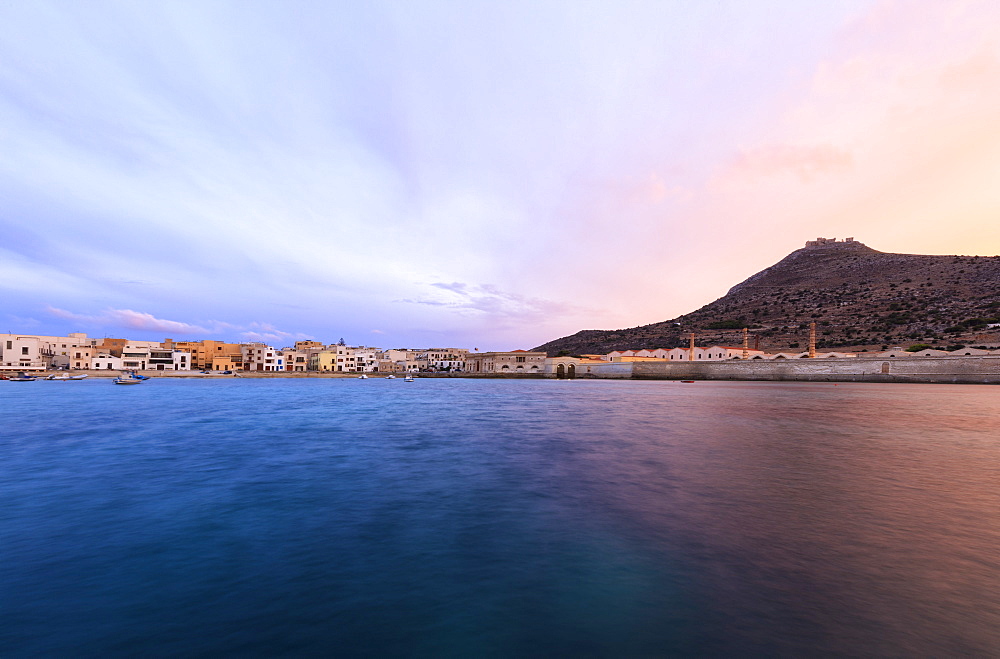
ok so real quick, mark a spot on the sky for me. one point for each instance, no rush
(488, 175)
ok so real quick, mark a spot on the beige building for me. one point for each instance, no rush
(82, 357)
(403, 360)
(296, 361)
(309, 345)
(515, 362)
(226, 363)
(204, 353)
(114, 346)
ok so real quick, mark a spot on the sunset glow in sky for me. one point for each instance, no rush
(490, 175)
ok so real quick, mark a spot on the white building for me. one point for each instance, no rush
(24, 353)
(442, 359)
(135, 357)
(166, 359)
(43, 351)
(106, 361)
(360, 359)
(262, 357)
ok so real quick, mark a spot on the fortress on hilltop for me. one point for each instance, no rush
(824, 242)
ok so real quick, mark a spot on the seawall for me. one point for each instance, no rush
(965, 370)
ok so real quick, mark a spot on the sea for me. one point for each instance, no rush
(498, 518)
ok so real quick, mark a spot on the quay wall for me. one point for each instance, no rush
(965, 370)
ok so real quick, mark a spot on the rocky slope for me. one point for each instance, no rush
(859, 298)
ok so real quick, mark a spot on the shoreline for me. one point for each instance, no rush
(936, 370)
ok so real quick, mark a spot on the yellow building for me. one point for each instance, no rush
(324, 360)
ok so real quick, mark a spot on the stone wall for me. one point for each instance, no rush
(605, 370)
(980, 370)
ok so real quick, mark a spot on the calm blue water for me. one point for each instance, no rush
(498, 518)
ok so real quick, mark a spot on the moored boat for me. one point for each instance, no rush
(22, 377)
(127, 377)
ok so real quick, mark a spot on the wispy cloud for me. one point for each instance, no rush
(489, 299)
(128, 319)
(266, 332)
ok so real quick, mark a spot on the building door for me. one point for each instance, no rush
(571, 371)
(560, 372)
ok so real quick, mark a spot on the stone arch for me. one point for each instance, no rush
(571, 371)
(560, 372)
(885, 367)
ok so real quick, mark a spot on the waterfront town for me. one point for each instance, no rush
(78, 352)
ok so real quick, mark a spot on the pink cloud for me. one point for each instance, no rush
(806, 162)
(130, 319)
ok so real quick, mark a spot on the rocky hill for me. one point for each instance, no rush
(859, 298)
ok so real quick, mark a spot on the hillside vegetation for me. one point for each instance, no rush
(859, 298)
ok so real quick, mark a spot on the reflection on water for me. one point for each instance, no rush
(455, 517)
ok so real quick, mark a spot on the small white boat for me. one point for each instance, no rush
(61, 378)
(127, 378)
(82, 376)
(390, 377)
(408, 378)
(22, 377)
(362, 377)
